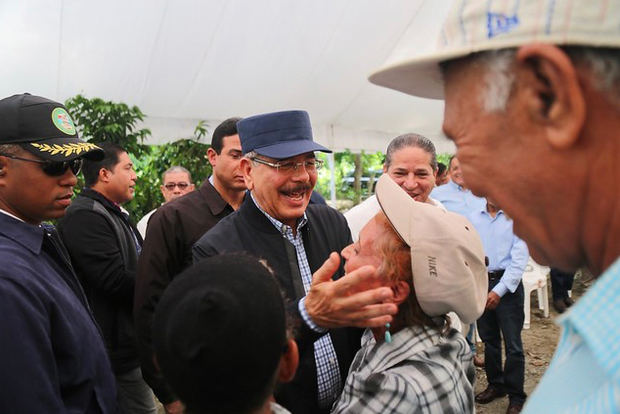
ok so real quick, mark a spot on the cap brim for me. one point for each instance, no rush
(421, 76)
(288, 149)
(418, 76)
(397, 205)
(447, 257)
(64, 149)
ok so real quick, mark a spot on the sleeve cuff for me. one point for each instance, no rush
(500, 289)
(307, 319)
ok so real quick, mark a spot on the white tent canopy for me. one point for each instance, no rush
(184, 61)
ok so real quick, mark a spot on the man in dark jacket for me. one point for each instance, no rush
(104, 249)
(276, 223)
(173, 229)
(52, 356)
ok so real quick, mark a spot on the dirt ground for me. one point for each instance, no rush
(539, 344)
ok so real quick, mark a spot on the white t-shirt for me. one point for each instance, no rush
(144, 221)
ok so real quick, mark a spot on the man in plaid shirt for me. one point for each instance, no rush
(434, 263)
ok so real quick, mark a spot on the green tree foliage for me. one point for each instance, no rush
(344, 171)
(444, 158)
(105, 121)
(188, 153)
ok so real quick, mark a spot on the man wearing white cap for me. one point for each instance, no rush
(532, 81)
(434, 262)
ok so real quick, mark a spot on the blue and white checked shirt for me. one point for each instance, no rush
(584, 374)
(328, 372)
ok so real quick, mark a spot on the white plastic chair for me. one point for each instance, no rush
(535, 277)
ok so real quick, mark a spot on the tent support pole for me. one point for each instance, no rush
(332, 177)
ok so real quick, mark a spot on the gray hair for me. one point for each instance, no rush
(176, 168)
(498, 78)
(604, 64)
(411, 140)
(250, 155)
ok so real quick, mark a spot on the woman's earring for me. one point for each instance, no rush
(388, 336)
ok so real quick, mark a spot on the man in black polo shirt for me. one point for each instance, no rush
(172, 231)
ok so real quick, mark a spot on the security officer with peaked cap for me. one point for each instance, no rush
(52, 357)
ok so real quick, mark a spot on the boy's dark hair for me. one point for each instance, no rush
(225, 129)
(91, 168)
(219, 332)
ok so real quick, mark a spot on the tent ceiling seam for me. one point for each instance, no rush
(364, 86)
(59, 60)
(205, 55)
(152, 53)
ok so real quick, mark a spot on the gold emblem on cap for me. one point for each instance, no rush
(65, 149)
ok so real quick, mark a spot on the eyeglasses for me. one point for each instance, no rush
(52, 168)
(289, 167)
(182, 186)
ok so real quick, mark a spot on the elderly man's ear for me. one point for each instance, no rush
(246, 168)
(288, 362)
(555, 98)
(401, 291)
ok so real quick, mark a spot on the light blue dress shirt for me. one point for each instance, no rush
(505, 250)
(457, 199)
(584, 374)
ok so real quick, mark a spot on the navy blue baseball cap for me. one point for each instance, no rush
(278, 135)
(44, 128)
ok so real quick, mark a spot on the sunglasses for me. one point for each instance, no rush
(170, 186)
(52, 168)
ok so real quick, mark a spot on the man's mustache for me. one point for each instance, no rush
(298, 188)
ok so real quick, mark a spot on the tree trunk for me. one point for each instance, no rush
(357, 177)
(371, 183)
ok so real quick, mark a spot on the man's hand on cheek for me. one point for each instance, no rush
(356, 299)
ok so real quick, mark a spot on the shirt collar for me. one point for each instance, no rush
(282, 228)
(595, 319)
(484, 211)
(11, 215)
(456, 186)
(212, 198)
(94, 194)
(407, 342)
(28, 235)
